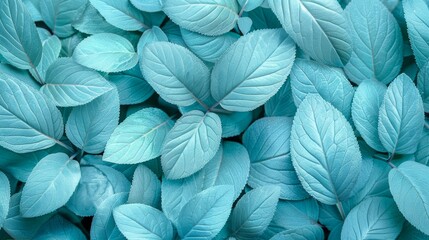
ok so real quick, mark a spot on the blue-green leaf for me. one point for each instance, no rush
(103, 225)
(374, 218)
(4, 197)
(305, 20)
(252, 70)
(250, 5)
(401, 117)
(173, 33)
(263, 18)
(155, 34)
(208, 48)
(325, 152)
(410, 232)
(166, 67)
(267, 141)
(106, 52)
(51, 51)
(244, 24)
(89, 126)
(207, 17)
(121, 14)
(139, 221)
(148, 5)
(204, 215)
(60, 14)
(145, 188)
(69, 84)
(139, 137)
(422, 153)
(253, 212)
(19, 43)
(308, 77)
(377, 42)
(423, 85)
(418, 28)
(59, 228)
(190, 144)
(282, 103)
(92, 22)
(29, 121)
(53, 180)
(131, 89)
(408, 184)
(365, 109)
(303, 233)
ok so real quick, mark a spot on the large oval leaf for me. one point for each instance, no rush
(205, 214)
(106, 52)
(374, 218)
(207, 17)
(325, 152)
(139, 221)
(166, 67)
(16, 29)
(408, 184)
(29, 121)
(323, 20)
(89, 126)
(139, 137)
(252, 70)
(401, 117)
(253, 212)
(190, 144)
(53, 180)
(377, 42)
(267, 141)
(69, 84)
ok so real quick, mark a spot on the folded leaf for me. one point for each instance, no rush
(29, 121)
(138, 221)
(190, 144)
(401, 117)
(325, 152)
(106, 52)
(408, 184)
(166, 67)
(139, 137)
(324, 20)
(207, 17)
(16, 30)
(252, 70)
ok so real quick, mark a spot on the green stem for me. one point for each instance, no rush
(64, 146)
(389, 160)
(74, 155)
(242, 9)
(341, 210)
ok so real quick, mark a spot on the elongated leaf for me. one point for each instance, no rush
(51, 51)
(106, 52)
(322, 20)
(145, 188)
(166, 67)
(252, 70)
(89, 126)
(190, 144)
(208, 48)
(139, 138)
(376, 217)
(267, 141)
(418, 28)
(308, 77)
(207, 17)
(60, 14)
(28, 121)
(409, 190)
(205, 214)
(121, 14)
(325, 152)
(377, 42)
(365, 109)
(4, 197)
(401, 117)
(52, 181)
(254, 211)
(59, 228)
(16, 30)
(304, 233)
(69, 84)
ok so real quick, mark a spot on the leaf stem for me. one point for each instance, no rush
(64, 146)
(426, 125)
(38, 77)
(74, 155)
(389, 160)
(341, 210)
(242, 8)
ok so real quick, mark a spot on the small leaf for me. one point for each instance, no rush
(325, 152)
(155, 34)
(244, 24)
(53, 180)
(106, 52)
(205, 214)
(138, 221)
(139, 137)
(408, 184)
(190, 144)
(145, 188)
(51, 51)
(401, 117)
